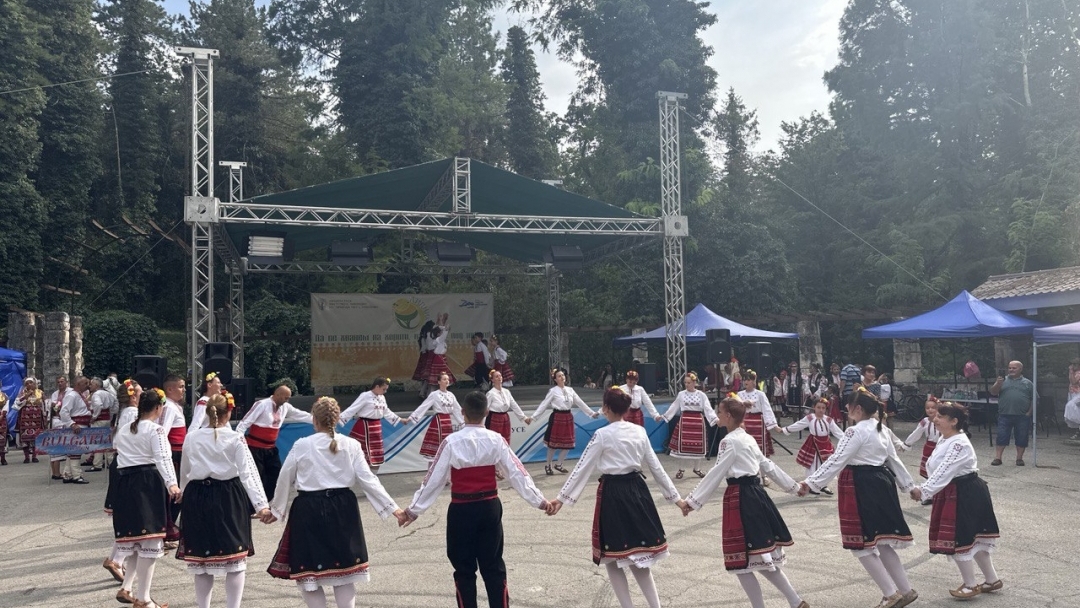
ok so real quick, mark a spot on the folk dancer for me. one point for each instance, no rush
(446, 414)
(262, 425)
(75, 415)
(688, 437)
(817, 448)
(146, 483)
(560, 433)
(926, 428)
(128, 402)
(754, 533)
(760, 420)
(627, 531)
(962, 523)
(175, 425)
(499, 404)
(323, 543)
(221, 489)
(30, 422)
(211, 386)
(638, 399)
(872, 525)
(63, 392)
(439, 334)
(104, 408)
(423, 362)
(482, 360)
(469, 460)
(369, 410)
(501, 360)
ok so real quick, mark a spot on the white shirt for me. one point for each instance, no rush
(172, 416)
(73, 405)
(924, 428)
(127, 415)
(262, 414)
(500, 401)
(862, 444)
(443, 402)
(310, 466)
(149, 446)
(483, 349)
(198, 414)
(759, 404)
(687, 401)
(438, 344)
(501, 355)
(952, 458)
(111, 384)
(222, 457)
(886, 391)
(639, 398)
(103, 400)
(473, 446)
(561, 399)
(371, 406)
(738, 456)
(819, 427)
(616, 449)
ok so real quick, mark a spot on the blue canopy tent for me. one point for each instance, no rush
(698, 321)
(12, 372)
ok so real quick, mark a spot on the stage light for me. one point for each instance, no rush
(565, 257)
(267, 248)
(348, 253)
(453, 254)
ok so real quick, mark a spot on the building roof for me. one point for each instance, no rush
(1032, 290)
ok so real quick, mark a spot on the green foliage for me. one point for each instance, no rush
(112, 337)
(278, 342)
(528, 137)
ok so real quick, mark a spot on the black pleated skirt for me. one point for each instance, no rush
(140, 504)
(215, 522)
(626, 525)
(323, 540)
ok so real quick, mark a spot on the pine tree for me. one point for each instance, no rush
(528, 139)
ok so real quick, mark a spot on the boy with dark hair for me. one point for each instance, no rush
(474, 533)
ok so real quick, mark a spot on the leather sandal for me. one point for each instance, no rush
(679, 475)
(699, 473)
(124, 596)
(963, 592)
(547, 470)
(151, 604)
(994, 586)
(560, 469)
(114, 569)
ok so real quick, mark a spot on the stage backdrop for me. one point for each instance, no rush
(355, 337)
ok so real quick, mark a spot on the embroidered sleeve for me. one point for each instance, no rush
(434, 482)
(647, 403)
(667, 488)
(903, 477)
(353, 411)
(951, 465)
(455, 411)
(575, 483)
(162, 456)
(370, 484)
(419, 412)
(514, 407)
(798, 426)
(545, 404)
(725, 458)
(920, 430)
(519, 477)
(286, 481)
(674, 409)
(710, 413)
(295, 414)
(249, 475)
(251, 417)
(581, 405)
(768, 418)
(777, 474)
(834, 430)
(845, 450)
(387, 412)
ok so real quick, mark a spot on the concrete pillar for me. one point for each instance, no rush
(75, 344)
(810, 351)
(907, 361)
(57, 361)
(39, 346)
(22, 336)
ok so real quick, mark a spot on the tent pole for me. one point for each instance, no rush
(1034, 403)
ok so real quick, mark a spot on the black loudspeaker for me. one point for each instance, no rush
(761, 359)
(647, 377)
(718, 345)
(218, 357)
(150, 371)
(243, 392)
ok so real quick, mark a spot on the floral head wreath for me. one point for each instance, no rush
(617, 387)
(732, 395)
(492, 372)
(631, 375)
(160, 394)
(863, 389)
(211, 376)
(130, 385)
(692, 376)
(554, 372)
(822, 400)
(749, 373)
(230, 401)
(933, 399)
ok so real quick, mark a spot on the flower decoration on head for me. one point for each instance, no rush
(617, 387)
(211, 376)
(130, 385)
(862, 389)
(824, 400)
(732, 395)
(491, 372)
(230, 401)
(388, 380)
(934, 399)
(631, 375)
(692, 376)
(160, 393)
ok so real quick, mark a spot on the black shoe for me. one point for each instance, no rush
(826, 491)
(815, 493)
(927, 503)
(77, 480)
(57, 477)
(93, 470)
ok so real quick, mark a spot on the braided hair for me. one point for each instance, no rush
(217, 407)
(148, 402)
(326, 412)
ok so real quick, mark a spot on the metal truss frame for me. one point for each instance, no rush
(413, 269)
(675, 229)
(235, 270)
(554, 329)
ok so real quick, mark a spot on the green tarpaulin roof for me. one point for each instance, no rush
(493, 191)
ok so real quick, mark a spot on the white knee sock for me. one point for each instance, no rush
(234, 588)
(698, 464)
(144, 569)
(877, 571)
(781, 582)
(967, 573)
(204, 588)
(752, 588)
(987, 566)
(562, 458)
(550, 455)
(345, 596)
(895, 568)
(115, 555)
(644, 579)
(314, 599)
(129, 572)
(619, 585)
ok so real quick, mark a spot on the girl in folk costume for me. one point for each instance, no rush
(754, 533)
(420, 374)
(817, 447)
(872, 525)
(30, 422)
(926, 428)
(446, 414)
(560, 433)
(759, 419)
(262, 424)
(501, 361)
(627, 531)
(482, 360)
(369, 409)
(221, 489)
(145, 482)
(3, 428)
(438, 366)
(638, 399)
(962, 524)
(500, 403)
(688, 437)
(832, 395)
(323, 544)
(128, 399)
(211, 386)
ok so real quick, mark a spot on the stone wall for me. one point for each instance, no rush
(810, 350)
(52, 342)
(907, 361)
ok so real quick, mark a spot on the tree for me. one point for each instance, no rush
(528, 137)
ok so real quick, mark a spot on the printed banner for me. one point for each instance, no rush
(58, 442)
(355, 337)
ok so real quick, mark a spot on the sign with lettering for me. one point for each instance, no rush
(57, 442)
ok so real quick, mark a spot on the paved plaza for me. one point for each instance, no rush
(54, 537)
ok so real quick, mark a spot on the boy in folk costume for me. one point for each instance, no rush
(468, 459)
(369, 409)
(481, 360)
(754, 533)
(688, 437)
(262, 425)
(817, 448)
(75, 415)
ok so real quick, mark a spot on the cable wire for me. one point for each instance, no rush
(60, 84)
(135, 263)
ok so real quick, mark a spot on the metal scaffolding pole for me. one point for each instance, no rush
(554, 328)
(236, 275)
(675, 229)
(200, 208)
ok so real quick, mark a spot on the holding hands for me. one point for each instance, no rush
(685, 507)
(266, 517)
(552, 507)
(916, 494)
(803, 489)
(404, 518)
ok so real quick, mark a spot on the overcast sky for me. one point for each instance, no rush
(774, 52)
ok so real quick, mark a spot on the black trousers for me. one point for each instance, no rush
(174, 509)
(481, 374)
(268, 462)
(474, 539)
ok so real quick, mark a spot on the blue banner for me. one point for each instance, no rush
(58, 442)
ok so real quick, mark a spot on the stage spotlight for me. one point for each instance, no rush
(454, 254)
(348, 253)
(565, 257)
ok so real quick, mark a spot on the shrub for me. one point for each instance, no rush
(112, 338)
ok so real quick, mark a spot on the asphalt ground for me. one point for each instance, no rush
(53, 538)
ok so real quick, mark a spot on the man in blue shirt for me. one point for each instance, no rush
(849, 376)
(1014, 395)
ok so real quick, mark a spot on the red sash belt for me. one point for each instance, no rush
(472, 484)
(177, 434)
(262, 437)
(82, 420)
(104, 416)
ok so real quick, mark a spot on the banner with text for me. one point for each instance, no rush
(355, 337)
(57, 442)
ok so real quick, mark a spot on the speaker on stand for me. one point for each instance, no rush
(718, 352)
(243, 392)
(150, 371)
(218, 357)
(647, 377)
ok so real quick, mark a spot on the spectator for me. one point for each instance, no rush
(607, 378)
(849, 377)
(1014, 394)
(1074, 389)
(795, 389)
(870, 381)
(818, 383)
(589, 382)
(777, 384)
(111, 384)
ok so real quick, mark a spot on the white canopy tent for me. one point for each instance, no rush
(1046, 336)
